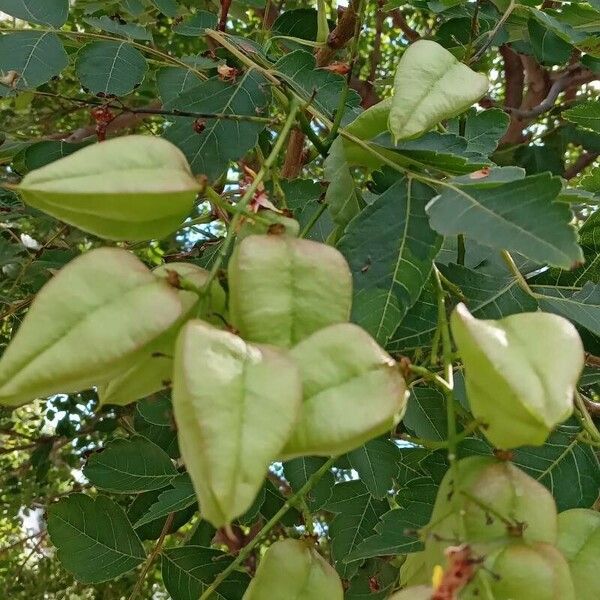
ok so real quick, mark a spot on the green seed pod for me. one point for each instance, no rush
(352, 392)
(294, 569)
(282, 289)
(420, 592)
(495, 502)
(519, 389)
(235, 406)
(154, 369)
(414, 570)
(270, 222)
(522, 571)
(129, 188)
(579, 541)
(89, 323)
(431, 85)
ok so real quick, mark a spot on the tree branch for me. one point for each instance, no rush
(573, 77)
(338, 38)
(400, 21)
(584, 161)
(514, 77)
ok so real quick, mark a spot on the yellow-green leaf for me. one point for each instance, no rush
(352, 389)
(521, 373)
(235, 405)
(129, 188)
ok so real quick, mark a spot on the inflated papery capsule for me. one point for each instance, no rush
(235, 405)
(419, 592)
(154, 368)
(431, 85)
(294, 569)
(282, 289)
(90, 322)
(493, 502)
(579, 541)
(352, 392)
(520, 372)
(129, 188)
(522, 571)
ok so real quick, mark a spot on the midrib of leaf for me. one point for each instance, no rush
(33, 49)
(96, 541)
(190, 574)
(400, 254)
(115, 469)
(474, 203)
(210, 129)
(112, 68)
(557, 461)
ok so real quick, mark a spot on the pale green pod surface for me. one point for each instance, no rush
(282, 289)
(579, 541)
(293, 569)
(154, 368)
(87, 324)
(129, 188)
(431, 85)
(371, 122)
(521, 373)
(523, 572)
(353, 392)
(420, 592)
(235, 405)
(414, 570)
(268, 220)
(492, 494)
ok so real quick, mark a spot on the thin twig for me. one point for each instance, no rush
(250, 191)
(560, 85)
(152, 557)
(274, 520)
(492, 34)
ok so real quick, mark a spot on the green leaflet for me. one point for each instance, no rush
(501, 488)
(222, 140)
(493, 215)
(94, 538)
(353, 392)
(129, 188)
(235, 406)
(536, 572)
(35, 55)
(431, 85)
(282, 289)
(154, 368)
(48, 12)
(88, 323)
(110, 68)
(521, 373)
(390, 248)
(294, 569)
(579, 541)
